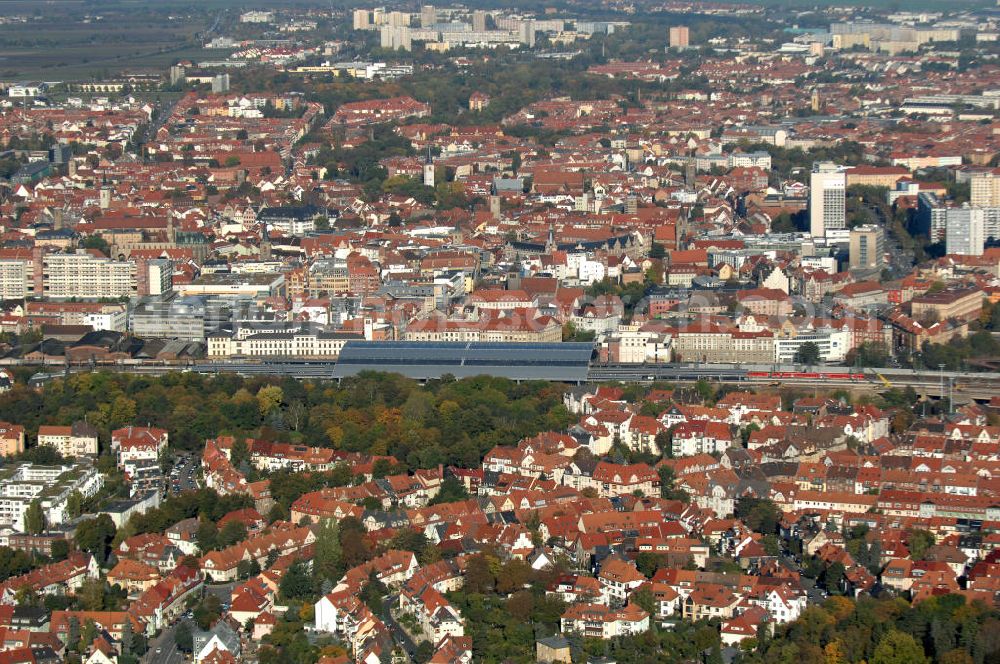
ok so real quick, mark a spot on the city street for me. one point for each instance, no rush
(163, 649)
(399, 634)
(166, 643)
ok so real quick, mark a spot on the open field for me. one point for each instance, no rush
(72, 41)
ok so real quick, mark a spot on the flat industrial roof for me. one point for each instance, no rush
(420, 360)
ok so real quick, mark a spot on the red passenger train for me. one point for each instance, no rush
(807, 375)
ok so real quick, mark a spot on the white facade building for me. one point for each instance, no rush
(52, 486)
(827, 198)
(965, 231)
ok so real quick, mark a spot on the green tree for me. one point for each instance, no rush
(668, 483)
(328, 561)
(833, 576)
(297, 583)
(13, 562)
(898, 647)
(705, 390)
(759, 514)
(918, 542)
(92, 595)
(95, 536)
(478, 577)
(425, 650)
(60, 549)
(34, 518)
(648, 562)
(643, 597)
(239, 453)
(74, 504)
(234, 531)
(96, 242)
(207, 534)
(247, 568)
(207, 612)
(808, 354)
(868, 354)
(87, 635)
(269, 398)
(73, 636)
(451, 491)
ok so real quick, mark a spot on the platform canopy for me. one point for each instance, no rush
(564, 362)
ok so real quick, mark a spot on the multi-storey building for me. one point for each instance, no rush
(302, 343)
(965, 231)
(602, 622)
(712, 344)
(77, 440)
(16, 274)
(867, 247)
(680, 36)
(87, 276)
(827, 199)
(23, 483)
(11, 439)
(963, 304)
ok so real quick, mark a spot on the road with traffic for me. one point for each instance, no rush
(163, 649)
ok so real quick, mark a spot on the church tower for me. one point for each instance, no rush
(429, 170)
(265, 243)
(171, 229)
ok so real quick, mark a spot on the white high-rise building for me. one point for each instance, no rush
(395, 38)
(526, 32)
(965, 231)
(428, 16)
(827, 198)
(362, 19)
(83, 275)
(984, 189)
(680, 36)
(398, 19)
(479, 21)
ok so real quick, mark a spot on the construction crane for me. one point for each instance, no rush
(885, 381)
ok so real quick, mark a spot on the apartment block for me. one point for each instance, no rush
(965, 231)
(827, 199)
(11, 439)
(680, 36)
(77, 440)
(87, 276)
(867, 247)
(23, 483)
